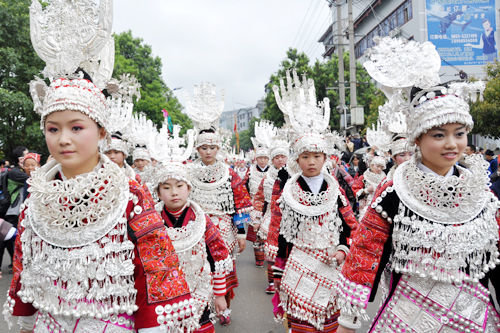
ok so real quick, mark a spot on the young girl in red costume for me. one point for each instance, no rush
(216, 187)
(202, 252)
(316, 218)
(92, 253)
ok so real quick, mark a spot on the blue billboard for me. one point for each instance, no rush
(462, 30)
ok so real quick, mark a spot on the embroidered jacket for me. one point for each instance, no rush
(145, 258)
(373, 246)
(216, 251)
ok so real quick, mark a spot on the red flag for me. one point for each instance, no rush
(236, 134)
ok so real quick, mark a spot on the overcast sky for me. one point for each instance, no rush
(235, 44)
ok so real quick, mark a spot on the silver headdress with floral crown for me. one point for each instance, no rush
(139, 134)
(70, 36)
(121, 105)
(280, 144)
(204, 108)
(264, 134)
(309, 119)
(173, 151)
(401, 66)
(392, 120)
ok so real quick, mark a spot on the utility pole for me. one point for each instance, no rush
(340, 53)
(352, 58)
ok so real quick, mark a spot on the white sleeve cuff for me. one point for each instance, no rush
(349, 321)
(26, 323)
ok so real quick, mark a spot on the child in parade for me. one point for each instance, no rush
(316, 217)
(117, 152)
(262, 203)
(202, 252)
(216, 187)
(365, 185)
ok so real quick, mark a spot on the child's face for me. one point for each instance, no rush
(262, 161)
(376, 168)
(72, 139)
(174, 193)
(311, 163)
(140, 164)
(279, 161)
(116, 156)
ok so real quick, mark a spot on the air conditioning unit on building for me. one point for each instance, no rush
(395, 32)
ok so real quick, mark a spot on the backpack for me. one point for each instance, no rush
(4, 194)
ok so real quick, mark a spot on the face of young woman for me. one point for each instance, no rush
(116, 156)
(208, 153)
(442, 147)
(311, 163)
(140, 164)
(72, 139)
(402, 157)
(279, 161)
(376, 168)
(29, 165)
(262, 161)
(174, 193)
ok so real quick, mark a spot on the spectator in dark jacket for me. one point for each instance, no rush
(16, 179)
(490, 157)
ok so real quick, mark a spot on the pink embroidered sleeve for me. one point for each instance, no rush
(362, 263)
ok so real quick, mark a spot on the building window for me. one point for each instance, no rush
(396, 19)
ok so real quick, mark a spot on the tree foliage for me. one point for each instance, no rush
(486, 113)
(19, 125)
(325, 76)
(134, 57)
(19, 63)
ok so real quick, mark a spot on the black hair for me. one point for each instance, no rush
(117, 135)
(208, 130)
(18, 152)
(86, 76)
(472, 147)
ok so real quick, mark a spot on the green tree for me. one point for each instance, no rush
(486, 113)
(325, 76)
(372, 115)
(134, 57)
(19, 63)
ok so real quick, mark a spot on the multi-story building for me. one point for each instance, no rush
(463, 31)
(242, 116)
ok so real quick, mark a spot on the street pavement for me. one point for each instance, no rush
(251, 308)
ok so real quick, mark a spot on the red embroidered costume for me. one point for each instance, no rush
(203, 257)
(98, 257)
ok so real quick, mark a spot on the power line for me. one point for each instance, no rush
(322, 27)
(302, 23)
(307, 29)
